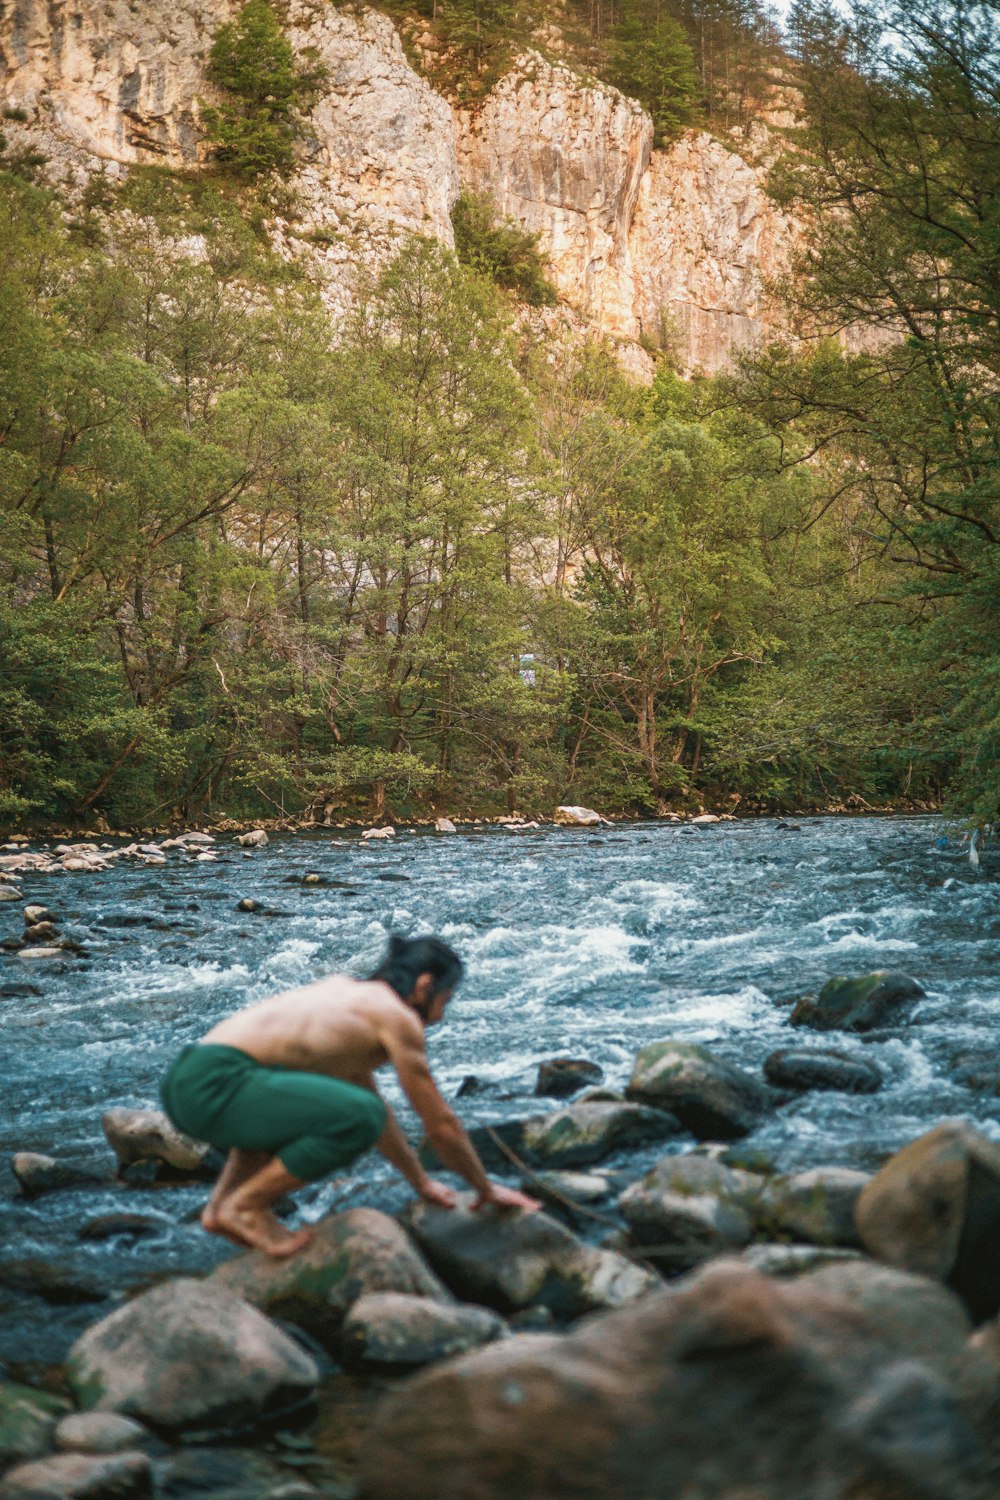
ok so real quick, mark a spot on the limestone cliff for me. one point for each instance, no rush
(640, 242)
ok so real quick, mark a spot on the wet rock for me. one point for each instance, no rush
(568, 1189)
(62, 1285)
(689, 1209)
(388, 1330)
(40, 932)
(558, 1077)
(27, 1421)
(703, 819)
(577, 817)
(858, 1004)
(33, 914)
(352, 1253)
(248, 904)
(37, 1173)
(601, 1096)
(444, 825)
(803, 1068)
(142, 1135)
(734, 1385)
(190, 1357)
(229, 1474)
(713, 1099)
(99, 1432)
(18, 990)
(514, 1260)
(470, 1085)
(255, 839)
(792, 1260)
(388, 832)
(582, 1134)
(490, 1142)
(817, 1206)
(120, 1226)
(934, 1208)
(312, 878)
(81, 1476)
(9, 893)
(38, 953)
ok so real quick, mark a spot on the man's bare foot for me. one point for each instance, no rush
(260, 1230)
(210, 1220)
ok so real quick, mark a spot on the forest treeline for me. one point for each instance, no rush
(251, 563)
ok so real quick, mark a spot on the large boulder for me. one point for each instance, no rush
(715, 1100)
(351, 1254)
(393, 1331)
(81, 1476)
(558, 1077)
(803, 1068)
(146, 1135)
(191, 1358)
(735, 1385)
(27, 1421)
(689, 1209)
(577, 817)
(816, 1206)
(858, 1004)
(516, 1260)
(934, 1208)
(581, 1135)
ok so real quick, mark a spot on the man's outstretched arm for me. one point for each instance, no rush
(455, 1151)
(399, 1153)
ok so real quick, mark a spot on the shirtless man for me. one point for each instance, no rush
(286, 1088)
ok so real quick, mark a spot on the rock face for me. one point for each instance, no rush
(713, 1099)
(735, 1385)
(641, 244)
(190, 1357)
(934, 1208)
(353, 1253)
(514, 1261)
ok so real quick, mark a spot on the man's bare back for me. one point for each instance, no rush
(284, 1126)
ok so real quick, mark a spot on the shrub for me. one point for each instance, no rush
(502, 250)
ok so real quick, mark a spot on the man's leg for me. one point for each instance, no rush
(245, 1213)
(239, 1165)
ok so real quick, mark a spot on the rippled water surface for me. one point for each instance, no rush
(590, 943)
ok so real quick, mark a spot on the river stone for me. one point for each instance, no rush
(81, 1476)
(733, 1385)
(713, 1099)
(390, 1330)
(9, 893)
(934, 1208)
(33, 914)
(232, 1474)
(792, 1260)
(444, 825)
(255, 839)
(580, 1188)
(140, 1135)
(40, 932)
(352, 1253)
(577, 817)
(37, 1173)
(192, 1358)
(689, 1209)
(515, 1260)
(817, 1206)
(803, 1068)
(39, 953)
(558, 1077)
(99, 1432)
(858, 1004)
(582, 1134)
(27, 1421)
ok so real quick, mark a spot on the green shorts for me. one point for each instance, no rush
(311, 1123)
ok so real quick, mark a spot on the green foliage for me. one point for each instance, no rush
(650, 58)
(253, 63)
(502, 251)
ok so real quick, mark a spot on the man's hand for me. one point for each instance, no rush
(502, 1197)
(437, 1195)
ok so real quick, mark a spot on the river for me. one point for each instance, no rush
(590, 943)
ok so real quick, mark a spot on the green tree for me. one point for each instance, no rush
(503, 251)
(252, 61)
(650, 57)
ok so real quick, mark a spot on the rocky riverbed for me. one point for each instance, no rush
(716, 1129)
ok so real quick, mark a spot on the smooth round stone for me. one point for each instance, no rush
(40, 953)
(803, 1068)
(99, 1432)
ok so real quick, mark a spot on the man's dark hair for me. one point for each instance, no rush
(407, 958)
